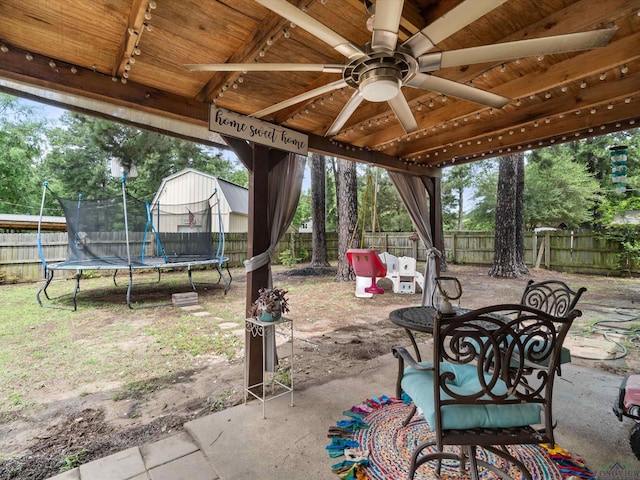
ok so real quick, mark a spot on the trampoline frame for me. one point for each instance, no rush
(220, 262)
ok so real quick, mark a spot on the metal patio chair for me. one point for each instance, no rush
(473, 394)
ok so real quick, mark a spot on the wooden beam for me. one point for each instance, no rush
(97, 86)
(270, 27)
(509, 126)
(131, 37)
(242, 149)
(326, 146)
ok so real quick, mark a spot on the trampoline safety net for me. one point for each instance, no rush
(105, 232)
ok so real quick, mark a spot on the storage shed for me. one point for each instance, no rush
(191, 186)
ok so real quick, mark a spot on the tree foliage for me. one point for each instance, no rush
(558, 190)
(82, 149)
(20, 150)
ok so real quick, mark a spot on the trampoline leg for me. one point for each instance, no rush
(226, 283)
(43, 289)
(193, 285)
(76, 289)
(115, 272)
(229, 272)
(129, 288)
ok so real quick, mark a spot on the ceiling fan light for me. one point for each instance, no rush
(380, 89)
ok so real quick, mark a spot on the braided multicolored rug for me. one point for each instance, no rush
(378, 447)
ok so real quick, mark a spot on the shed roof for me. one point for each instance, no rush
(236, 195)
(30, 222)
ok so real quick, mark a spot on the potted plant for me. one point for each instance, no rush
(270, 304)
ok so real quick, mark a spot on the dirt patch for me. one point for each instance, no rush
(335, 334)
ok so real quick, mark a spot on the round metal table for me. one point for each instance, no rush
(418, 319)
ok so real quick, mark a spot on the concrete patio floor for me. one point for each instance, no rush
(238, 444)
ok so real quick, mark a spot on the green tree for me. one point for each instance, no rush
(392, 213)
(82, 147)
(505, 258)
(456, 180)
(558, 190)
(20, 149)
(482, 216)
(319, 255)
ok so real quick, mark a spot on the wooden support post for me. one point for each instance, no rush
(257, 242)
(435, 216)
(259, 160)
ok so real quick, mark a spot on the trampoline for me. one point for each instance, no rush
(124, 233)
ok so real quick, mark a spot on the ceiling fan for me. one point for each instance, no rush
(378, 72)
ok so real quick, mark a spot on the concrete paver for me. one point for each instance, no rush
(123, 465)
(191, 467)
(73, 474)
(167, 450)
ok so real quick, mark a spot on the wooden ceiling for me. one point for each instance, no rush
(132, 53)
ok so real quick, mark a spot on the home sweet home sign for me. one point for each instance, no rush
(252, 129)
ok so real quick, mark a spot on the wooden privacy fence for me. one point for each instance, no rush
(582, 252)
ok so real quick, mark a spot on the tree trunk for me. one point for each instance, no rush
(519, 224)
(505, 263)
(460, 208)
(319, 255)
(347, 207)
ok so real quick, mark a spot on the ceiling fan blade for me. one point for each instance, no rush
(456, 19)
(348, 109)
(402, 110)
(265, 67)
(314, 27)
(570, 42)
(386, 23)
(329, 87)
(458, 90)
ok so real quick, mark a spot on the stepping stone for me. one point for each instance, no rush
(228, 325)
(191, 308)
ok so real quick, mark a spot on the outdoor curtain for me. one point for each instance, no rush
(285, 185)
(413, 194)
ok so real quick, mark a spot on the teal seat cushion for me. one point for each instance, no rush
(418, 384)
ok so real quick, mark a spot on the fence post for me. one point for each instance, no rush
(547, 250)
(453, 247)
